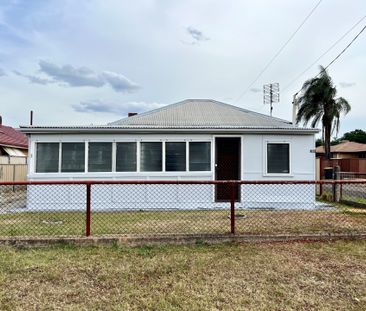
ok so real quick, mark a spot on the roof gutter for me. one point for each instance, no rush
(51, 130)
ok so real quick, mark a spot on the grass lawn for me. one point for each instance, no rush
(343, 219)
(292, 276)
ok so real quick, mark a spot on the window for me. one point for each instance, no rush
(126, 157)
(199, 156)
(100, 157)
(47, 157)
(278, 158)
(151, 156)
(175, 156)
(73, 157)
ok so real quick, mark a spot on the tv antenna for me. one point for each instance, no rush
(271, 94)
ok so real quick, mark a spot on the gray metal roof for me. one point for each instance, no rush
(198, 113)
(191, 115)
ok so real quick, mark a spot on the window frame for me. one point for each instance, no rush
(85, 156)
(138, 149)
(185, 158)
(267, 142)
(113, 155)
(189, 158)
(36, 156)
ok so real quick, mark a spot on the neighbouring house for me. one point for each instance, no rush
(348, 155)
(13, 154)
(345, 150)
(193, 139)
(13, 143)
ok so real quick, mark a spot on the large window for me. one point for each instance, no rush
(278, 158)
(47, 157)
(175, 156)
(151, 157)
(100, 157)
(73, 157)
(126, 157)
(199, 156)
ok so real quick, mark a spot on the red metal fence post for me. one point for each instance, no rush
(232, 207)
(88, 210)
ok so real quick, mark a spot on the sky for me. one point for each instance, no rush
(93, 61)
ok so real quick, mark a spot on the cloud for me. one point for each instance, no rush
(347, 84)
(2, 73)
(121, 109)
(80, 76)
(33, 79)
(119, 82)
(70, 75)
(255, 90)
(196, 34)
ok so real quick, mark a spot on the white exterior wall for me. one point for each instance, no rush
(253, 167)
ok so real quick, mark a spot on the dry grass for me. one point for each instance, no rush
(318, 276)
(183, 222)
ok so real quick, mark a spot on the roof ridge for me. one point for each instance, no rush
(147, 113)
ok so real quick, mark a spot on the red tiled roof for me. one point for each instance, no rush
(345, 147)
(11, 137)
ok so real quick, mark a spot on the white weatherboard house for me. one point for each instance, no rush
(191, 140)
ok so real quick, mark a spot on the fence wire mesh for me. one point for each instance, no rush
(168, 208)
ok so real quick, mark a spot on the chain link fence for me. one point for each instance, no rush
(148, 208)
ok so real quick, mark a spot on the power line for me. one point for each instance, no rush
(327, 51)
(279, 51)
(349, 44)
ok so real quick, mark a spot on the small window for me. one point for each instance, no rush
(73, 157)
(199, 156)
(126, 157)
(175, 156)
(151, 156)
(100, 157)
(47, 157)
(278, 158)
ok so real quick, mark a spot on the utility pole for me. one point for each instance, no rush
(271, 94)
(294, 110)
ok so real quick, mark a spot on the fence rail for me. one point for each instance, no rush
(97, 207)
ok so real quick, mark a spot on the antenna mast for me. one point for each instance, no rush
(271, 94)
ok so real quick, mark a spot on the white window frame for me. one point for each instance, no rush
(35, 156)
(212, 160)
(266, 157)
(137, 156)
(162, 155)
(187, 156)
(60, 158)
(112, 154)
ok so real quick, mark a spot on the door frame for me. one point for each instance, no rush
(241, 161)
(241, 154)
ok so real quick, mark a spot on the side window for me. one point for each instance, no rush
(47, 157)
(278, 158)
(151, 157)
(199, 156)
(126, 157)
(175, 156)
(73, 157)
(100, 157)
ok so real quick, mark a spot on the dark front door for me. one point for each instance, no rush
(227, 165)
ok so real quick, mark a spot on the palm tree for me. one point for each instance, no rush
(318, 102)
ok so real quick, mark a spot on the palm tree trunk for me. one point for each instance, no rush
(327, 133)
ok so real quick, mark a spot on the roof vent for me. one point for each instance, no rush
(131, 114)
(1, 120)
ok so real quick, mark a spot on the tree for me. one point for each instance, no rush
(318, 102)
(318, 142)
(358, 136)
